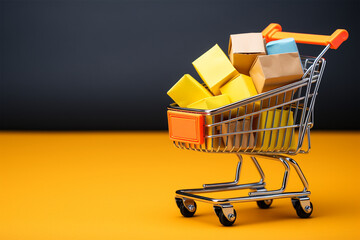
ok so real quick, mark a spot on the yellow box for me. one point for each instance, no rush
(187, 90)
(215, 69)
(239, 88)
(281, 139)
(211, 102)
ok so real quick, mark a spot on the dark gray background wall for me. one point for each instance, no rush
(103, 65)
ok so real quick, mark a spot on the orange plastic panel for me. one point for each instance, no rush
(186, 127)
(274, 32)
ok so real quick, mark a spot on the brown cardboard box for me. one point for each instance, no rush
(238, 141)
(271, 71)
(243, 50)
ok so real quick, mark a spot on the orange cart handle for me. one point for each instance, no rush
(274, 32)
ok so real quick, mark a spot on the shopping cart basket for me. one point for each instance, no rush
(273, 125)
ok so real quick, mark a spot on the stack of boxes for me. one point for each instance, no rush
(253, 67)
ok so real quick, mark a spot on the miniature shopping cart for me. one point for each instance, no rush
(273, 125)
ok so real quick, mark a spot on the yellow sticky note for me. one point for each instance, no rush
(281, 139)
(215, 69)
(187, 90)
(211, 102)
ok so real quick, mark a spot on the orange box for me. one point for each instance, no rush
(186, 127)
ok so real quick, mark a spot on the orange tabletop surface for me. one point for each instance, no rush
(121, 185)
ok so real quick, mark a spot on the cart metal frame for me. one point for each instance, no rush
(301, 103)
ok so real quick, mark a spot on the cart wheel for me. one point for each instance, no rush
(299, 210)
(178, 202)
(295, 202)
(217, 210)
(264, 204)
(183, 210)
(224, 221)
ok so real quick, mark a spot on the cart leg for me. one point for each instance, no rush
(186, 198)
(299, 172)
(226, 184)
(284, 183)
(237, 175)
(261, 172)
(302, 205)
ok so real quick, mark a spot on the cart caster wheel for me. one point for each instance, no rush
(299, 209)
(217, 210)
(223, 220)
(264, 204)
(188, 211)
(178, 201)
(295, 202)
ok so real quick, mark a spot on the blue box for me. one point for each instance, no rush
(286, 45)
